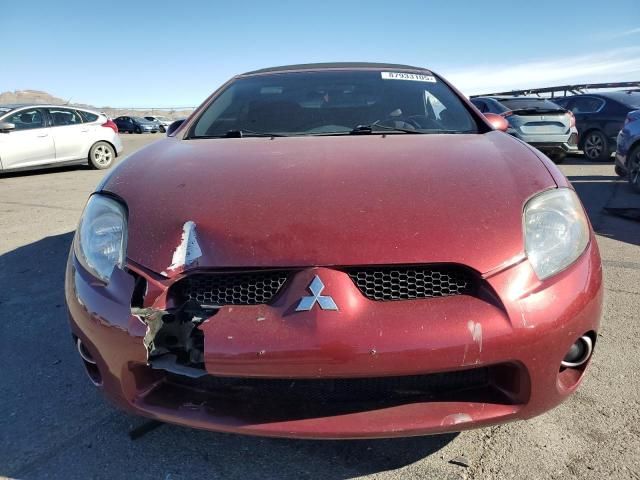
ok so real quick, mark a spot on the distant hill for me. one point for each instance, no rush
(29, 96)
(38, 96)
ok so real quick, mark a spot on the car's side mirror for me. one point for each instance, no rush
(6, 127)
(498, 122)
(174, 126)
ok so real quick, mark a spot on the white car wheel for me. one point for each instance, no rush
(101, 155)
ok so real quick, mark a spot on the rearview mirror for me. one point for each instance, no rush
(7, 127)
(498, 122)
(174, 126)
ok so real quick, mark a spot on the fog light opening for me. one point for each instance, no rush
(579, 352)
(94, 373)
(84, 353)
(89, 363)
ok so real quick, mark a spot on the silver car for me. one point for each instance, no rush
(35, 136)
(163, 122)
(536, 121)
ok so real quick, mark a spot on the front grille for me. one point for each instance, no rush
(233, 288)
(405, 283)
(375, 283)
(340, 389)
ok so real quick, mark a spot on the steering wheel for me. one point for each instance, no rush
(423, 122)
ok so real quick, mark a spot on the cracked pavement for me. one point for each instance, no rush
(54, 424)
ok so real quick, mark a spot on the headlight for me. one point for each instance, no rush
(100, 241)
(556, 231)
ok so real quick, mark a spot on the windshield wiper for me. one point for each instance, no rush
(250, 133)
(368, 129)
(242, 133)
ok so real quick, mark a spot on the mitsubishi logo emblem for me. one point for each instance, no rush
(325, 302)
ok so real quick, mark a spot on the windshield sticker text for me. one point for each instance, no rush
(413, 77)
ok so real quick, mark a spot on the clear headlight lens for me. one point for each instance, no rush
(556, 231)
(100, 241)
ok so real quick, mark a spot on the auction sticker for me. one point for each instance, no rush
(413, 77)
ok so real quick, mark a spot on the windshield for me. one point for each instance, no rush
(140, 119)
(334, 102)
(529, 103)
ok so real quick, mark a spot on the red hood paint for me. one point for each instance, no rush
(346, 200)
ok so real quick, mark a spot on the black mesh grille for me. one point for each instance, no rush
(234, 288)
(254, 401)
(404, 283)
(341, 389)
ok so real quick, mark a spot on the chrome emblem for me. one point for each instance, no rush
(325, 302)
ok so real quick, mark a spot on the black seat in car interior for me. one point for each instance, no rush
(447, 119)
(275, 116)
(62, 118)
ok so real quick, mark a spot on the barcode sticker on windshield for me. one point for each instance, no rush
(413, 77)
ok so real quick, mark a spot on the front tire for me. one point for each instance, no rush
(101, 155)
(138, 130)
(557, 158)
(620, 171)
(596, 147)
(634, 169)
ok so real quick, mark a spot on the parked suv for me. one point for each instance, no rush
(628, 150)
(35, 136)
(136, 125)
(599, 118)
(537, 121)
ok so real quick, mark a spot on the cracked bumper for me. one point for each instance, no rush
(518, 339)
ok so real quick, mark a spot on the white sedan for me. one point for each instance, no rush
(35, 136)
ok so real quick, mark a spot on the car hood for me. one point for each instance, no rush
(328, 200)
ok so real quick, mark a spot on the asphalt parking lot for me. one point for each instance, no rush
(54, 424)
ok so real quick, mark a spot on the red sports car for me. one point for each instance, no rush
(335, 251)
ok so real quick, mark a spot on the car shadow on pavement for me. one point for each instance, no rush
(44, 170)
(610, 191)
(245, 457)
(55, 424)
(579, 159)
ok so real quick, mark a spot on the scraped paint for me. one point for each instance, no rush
(475, 329)
(188, 251)
(455, 419)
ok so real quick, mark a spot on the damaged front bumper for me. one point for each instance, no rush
(370, 369)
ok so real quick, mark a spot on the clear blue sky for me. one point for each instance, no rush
(160, 53)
